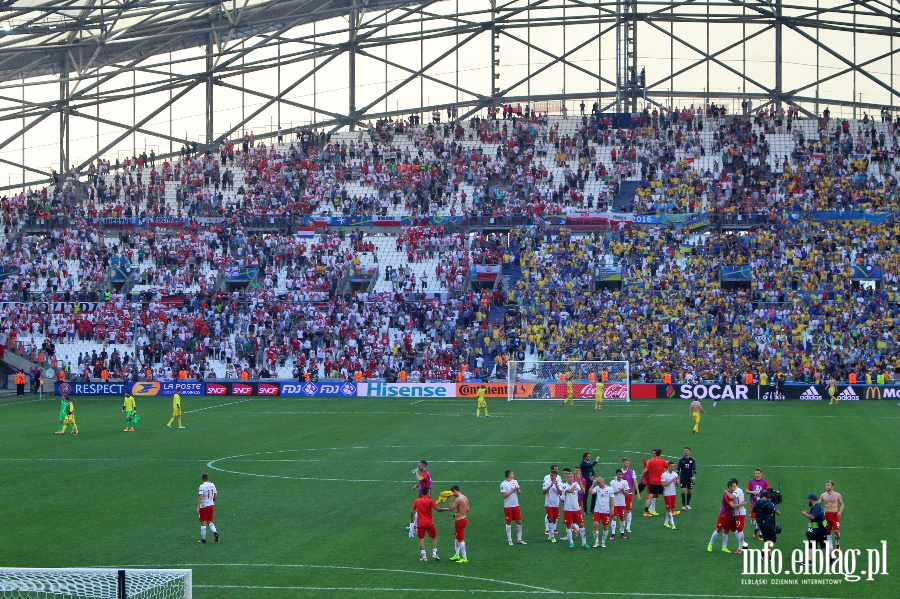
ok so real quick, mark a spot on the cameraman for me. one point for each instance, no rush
(765, 517)
(816, 531)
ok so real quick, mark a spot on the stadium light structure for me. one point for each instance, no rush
(103, 72)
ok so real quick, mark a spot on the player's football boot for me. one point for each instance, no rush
(596, 544)
(552, 539)
(585, 545)
(521, 542)
(647, 514)
(622, 536)
(652, 513)
(571, 545)
(435, 558)
(217, 536)
(180, 427)
(676, 512)
(424, 559)
(202, 540)
(603, 545)
(463, 561)
(672, 526)
(455, 558)
(709, 547)
(726, 550)
(739, 551)
(168, 426)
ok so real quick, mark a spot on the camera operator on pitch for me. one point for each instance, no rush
(765, 514)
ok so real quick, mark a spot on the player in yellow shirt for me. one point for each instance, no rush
(570, 391)
(481, 402)
(130, 409)
(832, 391)
(176, 410)
(598, 396)
(69, 420)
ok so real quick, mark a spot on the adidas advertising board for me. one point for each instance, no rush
(811, 394)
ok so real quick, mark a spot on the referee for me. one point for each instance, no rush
(587, 473)
(687, 476)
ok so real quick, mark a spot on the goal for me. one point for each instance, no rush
(543, 380)
(94, 583)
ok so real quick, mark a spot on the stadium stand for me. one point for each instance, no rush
(223, 261)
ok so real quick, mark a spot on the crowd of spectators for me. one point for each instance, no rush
(801, 313)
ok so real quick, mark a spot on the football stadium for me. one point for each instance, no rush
(332, 298)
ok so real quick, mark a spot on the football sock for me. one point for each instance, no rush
(581, 532)
(424, 554)
(179, 422)
(203, 532)
(628, 520)
(171, 420)
(519, 531)
(596, 535)
(713, 538)
(653, 504)
(546, 523)
(64, 427)
(688, 498)
(75, 427)
(434, 552)
(724, 539)
(462, 550)
(740, 539)
(508, 532)
(605, 535)
(486, 412)
(552, 526)
(212, 527)
(614, 527)
(683, 500)
(456, 546)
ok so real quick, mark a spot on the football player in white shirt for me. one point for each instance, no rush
(601, 509)
(206, 506)
(619, 489)
(668, 479)
(571, 509)
(552, 494)
(509, 490)
(738, 515)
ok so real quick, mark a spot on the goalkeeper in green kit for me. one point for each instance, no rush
(62, 413)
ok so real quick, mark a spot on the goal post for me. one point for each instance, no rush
(548, 380)
(94, 583)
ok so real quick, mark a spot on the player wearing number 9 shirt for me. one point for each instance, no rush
(206, 506)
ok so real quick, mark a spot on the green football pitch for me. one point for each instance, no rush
(315, 494)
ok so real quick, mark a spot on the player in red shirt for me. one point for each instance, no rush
(653, 474)
(421, 508)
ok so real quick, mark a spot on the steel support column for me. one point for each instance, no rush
(63, 118)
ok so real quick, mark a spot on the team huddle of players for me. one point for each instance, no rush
(578, 491)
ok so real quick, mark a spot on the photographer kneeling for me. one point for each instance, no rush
(765, 517)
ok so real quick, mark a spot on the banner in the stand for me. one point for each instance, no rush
(485, 272)
(736, 274)
(120, 274)
(241, 274)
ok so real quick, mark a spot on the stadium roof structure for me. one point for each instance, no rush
(110, 70)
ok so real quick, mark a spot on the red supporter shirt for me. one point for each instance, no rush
(423, 506)
(655, 468)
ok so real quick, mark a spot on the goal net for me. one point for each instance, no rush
(540, 380)
(94, 583)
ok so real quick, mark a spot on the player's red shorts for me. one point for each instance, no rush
(833, 519)
(670, 501)
(460, 529)
(737, 524)
(552, 513)
(429, 528)
(619, 511)
(570, 518)
(723, 522)
(628, 498)
(512, 513)
(598, 517)
(206, 513)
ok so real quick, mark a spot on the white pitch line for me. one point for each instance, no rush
(493, 591)
(531, 588)
(412, 404)
(524, 589)
(13, 403)
(217, 406)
